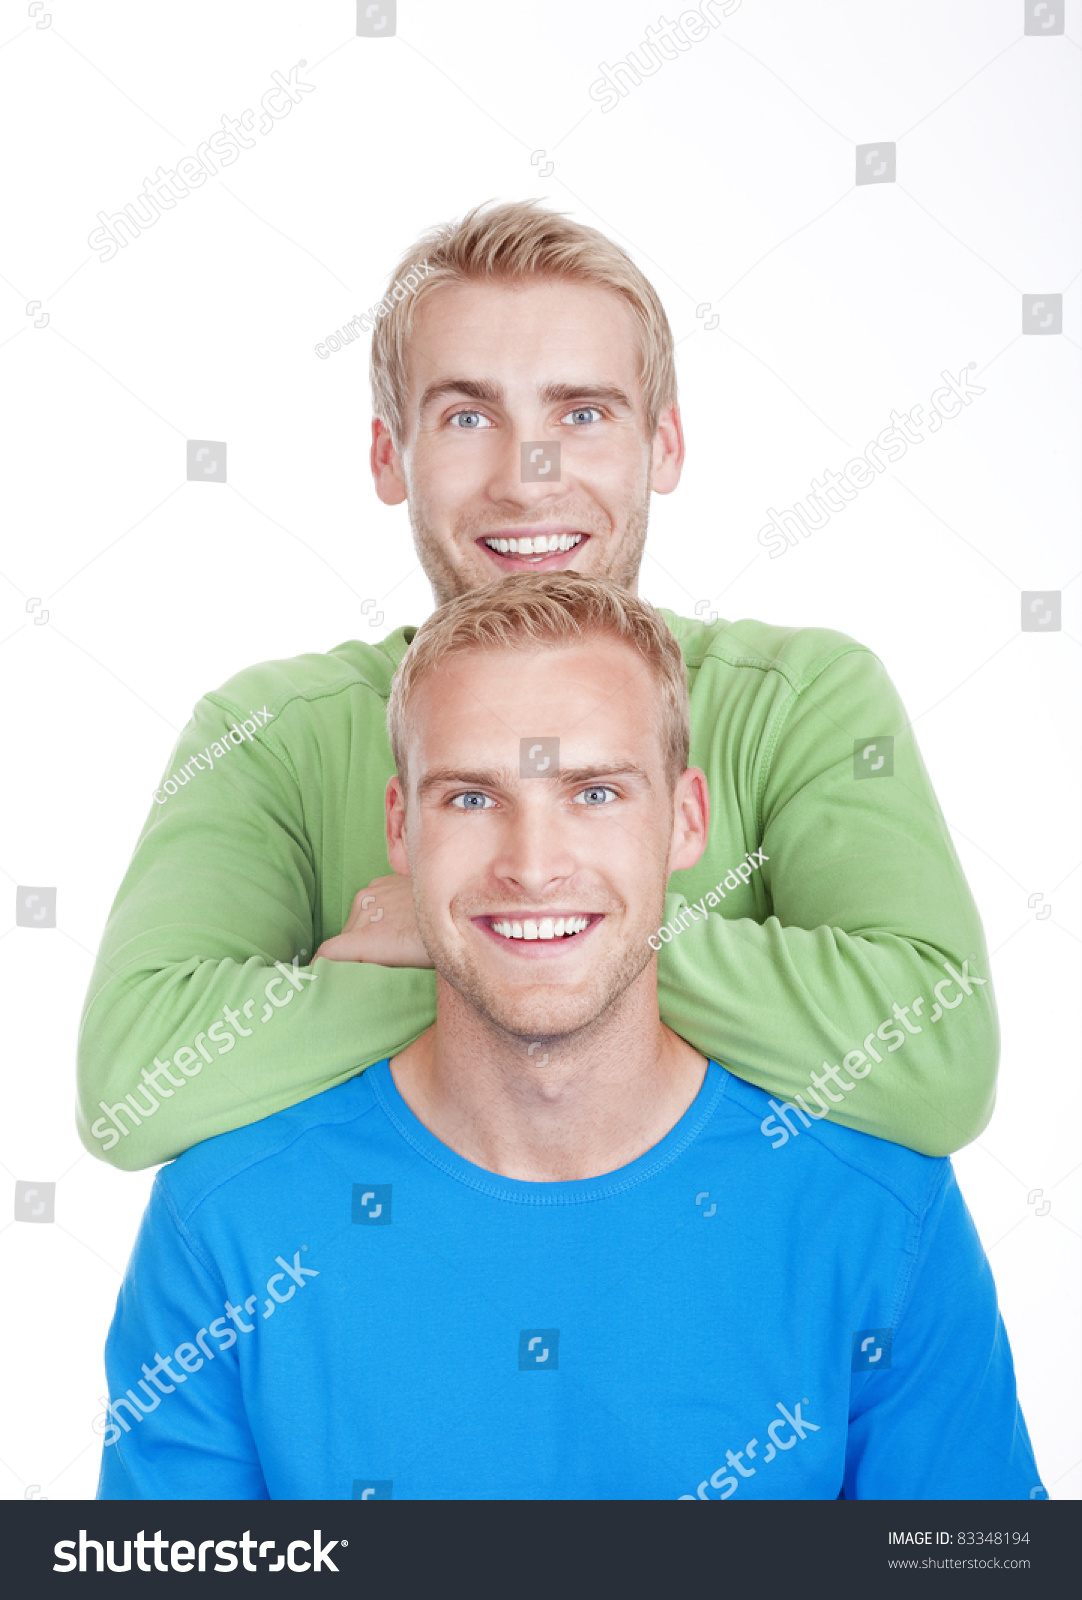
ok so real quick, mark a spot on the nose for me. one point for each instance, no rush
(534, 853)
(526, 469)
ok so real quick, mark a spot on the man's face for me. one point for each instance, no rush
(578, 851)
(493, 367)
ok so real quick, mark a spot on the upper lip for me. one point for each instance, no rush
(535, 916)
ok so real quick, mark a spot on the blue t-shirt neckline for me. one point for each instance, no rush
(574, 1191)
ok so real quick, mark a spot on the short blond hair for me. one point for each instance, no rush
(526, 611)
(510, 243)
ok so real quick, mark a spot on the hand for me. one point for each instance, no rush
(382, 927)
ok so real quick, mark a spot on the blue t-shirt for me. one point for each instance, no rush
(332, 1304)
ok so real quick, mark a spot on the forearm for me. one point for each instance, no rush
(205, 1046)
(777, 1005)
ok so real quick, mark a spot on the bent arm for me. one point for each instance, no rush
(860, 905)
(205, 1010)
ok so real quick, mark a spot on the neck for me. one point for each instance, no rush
(550, 1110)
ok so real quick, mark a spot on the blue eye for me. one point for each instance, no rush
(592, 796)
(582, 411)
(468, 426)
(472, 800)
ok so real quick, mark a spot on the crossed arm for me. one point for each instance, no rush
(861, 910)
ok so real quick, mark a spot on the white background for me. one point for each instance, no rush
(729, 175)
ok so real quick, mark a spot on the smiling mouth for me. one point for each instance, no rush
(542, 927)
(535, 547)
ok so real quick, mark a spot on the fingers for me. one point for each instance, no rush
(341, 948)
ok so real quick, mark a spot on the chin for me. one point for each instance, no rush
(542, 1017)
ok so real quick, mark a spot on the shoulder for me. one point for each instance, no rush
(264, 1153)
(354, 665)
(797, 655)
(859, 1162)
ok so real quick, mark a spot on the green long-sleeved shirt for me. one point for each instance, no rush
(811, 958)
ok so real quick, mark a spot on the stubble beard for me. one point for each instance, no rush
(448, 582)
(546, 1012)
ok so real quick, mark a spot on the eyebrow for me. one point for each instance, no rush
(505, 777)
(492, 393)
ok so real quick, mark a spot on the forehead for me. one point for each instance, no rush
(595, 697)
(517, 334)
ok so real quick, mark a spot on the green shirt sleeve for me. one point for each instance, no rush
(205, 1011)
(233, 873)
(859, 906)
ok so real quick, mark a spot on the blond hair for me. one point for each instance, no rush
(511, 243)
(526, 611)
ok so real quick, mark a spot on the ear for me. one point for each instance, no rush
(668, 452)
(386, 465)
(691, 820)
(395, 804)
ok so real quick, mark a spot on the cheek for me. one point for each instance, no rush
(445, 466)
(450, 868)
(618, 459)
(637, 866)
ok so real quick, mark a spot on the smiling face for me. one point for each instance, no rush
(492, 367)
(535, 895)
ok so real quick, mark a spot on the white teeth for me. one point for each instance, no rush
(535, 546)
(546, 928)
